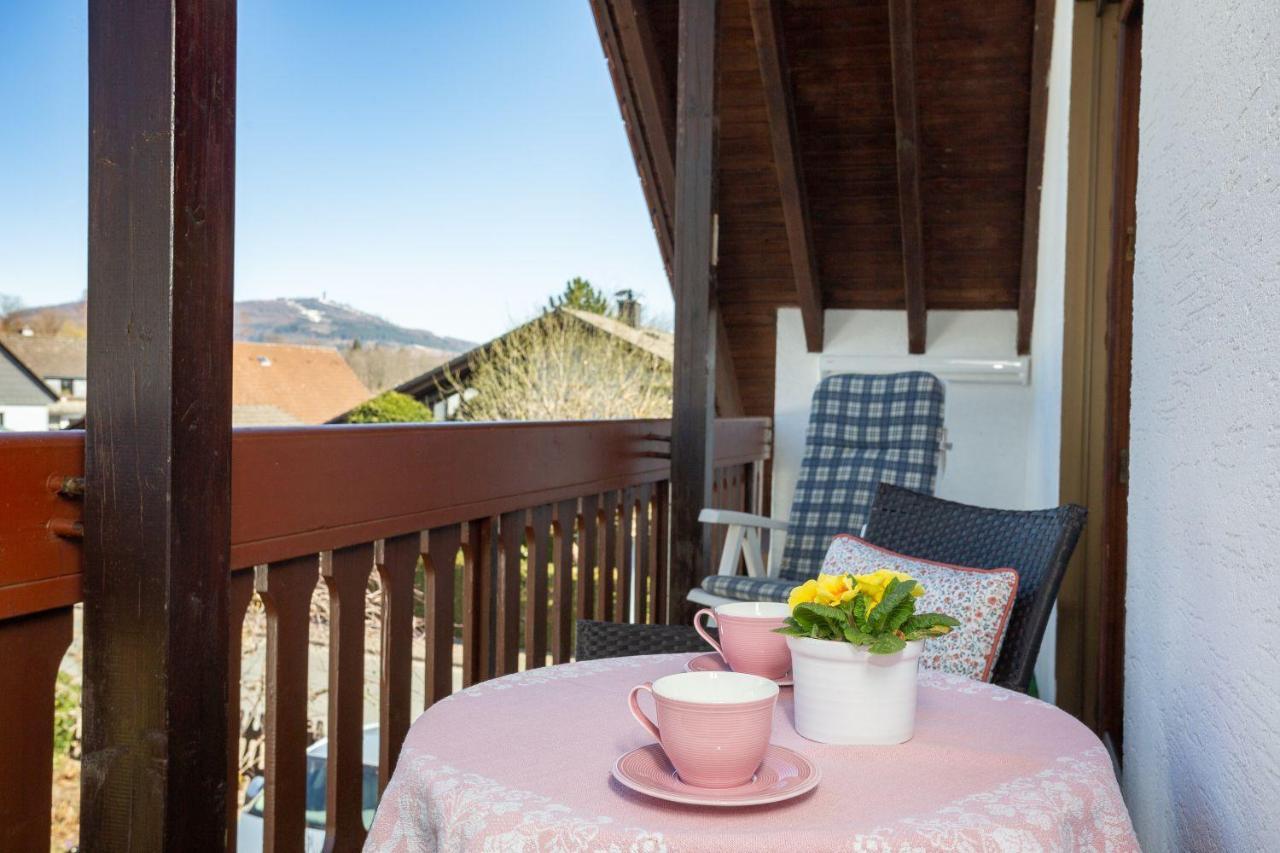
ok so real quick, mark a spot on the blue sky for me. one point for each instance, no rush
(446, 165)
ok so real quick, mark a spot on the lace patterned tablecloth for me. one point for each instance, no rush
(523, 763)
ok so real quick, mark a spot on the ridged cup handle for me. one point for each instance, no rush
(702, 632)
(640, 715)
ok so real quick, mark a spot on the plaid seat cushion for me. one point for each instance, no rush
(863, 430)
(743, 588)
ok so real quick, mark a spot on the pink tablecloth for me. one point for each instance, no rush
(523, 763)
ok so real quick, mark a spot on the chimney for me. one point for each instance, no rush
(628, 308)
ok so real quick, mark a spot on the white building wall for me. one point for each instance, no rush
(1202, 673)
(24, 418)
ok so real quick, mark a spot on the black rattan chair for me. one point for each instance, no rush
(1038, 544)
(619, 639)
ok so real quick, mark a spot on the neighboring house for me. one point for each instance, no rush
(290, 384)
(437, 387)
(61, 363)
(24, 398)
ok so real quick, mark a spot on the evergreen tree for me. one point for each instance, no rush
(578, 293)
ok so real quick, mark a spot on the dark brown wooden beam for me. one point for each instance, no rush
(902, 49)
(648, 111)
(775, 75)
(158, 448)
(901, 23)
(1041, 51)
(693, 410)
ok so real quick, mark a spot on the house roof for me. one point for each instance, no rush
(426, 387)
(309, 385)
(50, 356)
(878, 155)
(19, 385)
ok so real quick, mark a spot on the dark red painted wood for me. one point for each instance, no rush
(536, 597)
(239, 594)
(588, 556)
(441, 564)
(396, 566)
(475, 568)
(31, 648)
(562, 612)
(512, 531)
(286, 588)
(346, 576)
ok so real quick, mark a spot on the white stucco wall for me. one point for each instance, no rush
(24, 418)
(1202, 675)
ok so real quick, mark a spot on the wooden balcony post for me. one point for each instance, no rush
(158, 447)
(693, 409)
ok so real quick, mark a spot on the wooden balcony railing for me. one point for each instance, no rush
(572, 514)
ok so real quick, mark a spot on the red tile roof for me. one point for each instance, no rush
(311, 384)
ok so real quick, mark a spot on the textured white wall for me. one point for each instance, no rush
(1202, 691)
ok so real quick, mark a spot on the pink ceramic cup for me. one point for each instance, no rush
(747, 639)
(713, 726)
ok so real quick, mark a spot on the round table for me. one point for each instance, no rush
(523, 763)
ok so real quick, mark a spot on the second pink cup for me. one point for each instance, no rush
(747, 639)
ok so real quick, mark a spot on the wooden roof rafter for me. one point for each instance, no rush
(1042, 47)
(907, 123)
(649, 113)
(775, 76)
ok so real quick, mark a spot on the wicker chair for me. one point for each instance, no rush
(619, 639)
(1038, 544)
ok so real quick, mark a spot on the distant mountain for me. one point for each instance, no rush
(319, 321)
(291, 321)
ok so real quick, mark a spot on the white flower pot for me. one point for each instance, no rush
(846, 695)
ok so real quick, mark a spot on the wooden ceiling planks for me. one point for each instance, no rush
(976, 90)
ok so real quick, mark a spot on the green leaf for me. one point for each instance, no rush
(822, 611)
(859, 611)
(900, 615)
(886, 644)
(858, 638)
(897, 592)
(791, 631)
(801, 618)
(925, 621)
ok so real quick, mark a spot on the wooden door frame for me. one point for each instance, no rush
(1102, 183)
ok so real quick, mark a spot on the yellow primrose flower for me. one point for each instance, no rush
(834, 589)
(875, 584)
(806, 593)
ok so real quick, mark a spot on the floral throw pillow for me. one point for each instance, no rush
(981, 599)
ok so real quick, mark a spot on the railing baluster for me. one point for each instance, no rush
(31, 648)
(286, 588)
(240, 593)
(538, 548)
(608, 556)
(512, 530)
(442, 560)
(661, 551)
(588, 555)
(566, 524)
(346, 575)
(623, 556)
(475, 601)
(644, 554)
(396, 569)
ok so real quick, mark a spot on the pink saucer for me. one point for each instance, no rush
(712, 662)
(783, 774)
